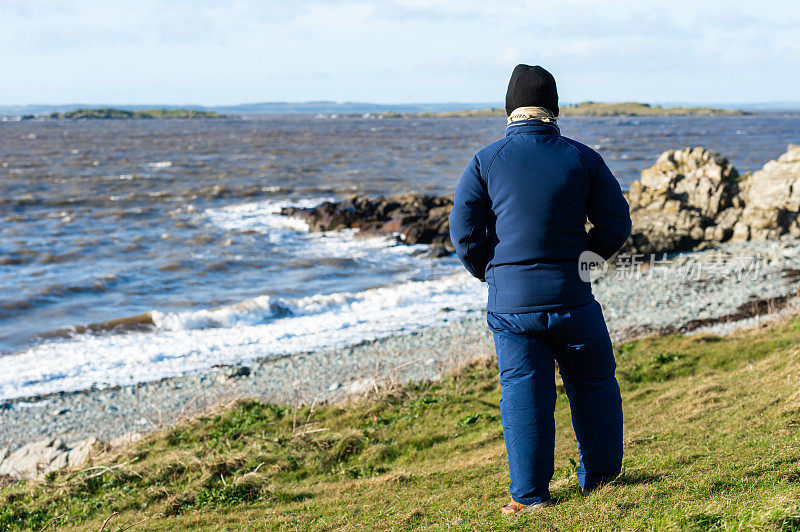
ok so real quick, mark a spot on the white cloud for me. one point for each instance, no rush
(394, 50)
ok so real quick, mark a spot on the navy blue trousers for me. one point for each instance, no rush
(528, 345)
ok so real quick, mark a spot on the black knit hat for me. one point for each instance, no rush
(531, 86)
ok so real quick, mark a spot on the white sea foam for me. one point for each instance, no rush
(191, 341)
(261, 216)
(289, 232)
(264, 326)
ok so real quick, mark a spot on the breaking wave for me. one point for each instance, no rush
(189, 341)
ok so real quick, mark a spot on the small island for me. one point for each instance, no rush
(641, 109)
(588, 109)
(121, 114)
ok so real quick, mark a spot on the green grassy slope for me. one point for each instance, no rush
(712, 440)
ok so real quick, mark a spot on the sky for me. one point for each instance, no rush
(395, 51)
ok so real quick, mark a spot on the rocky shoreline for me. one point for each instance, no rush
(690, 199)
(412, 218)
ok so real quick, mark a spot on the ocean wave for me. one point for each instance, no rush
(264, 308)
(54, 292)
(263, 217)
(249, 312)
(160, 344)
(139, 322)
(192, 341)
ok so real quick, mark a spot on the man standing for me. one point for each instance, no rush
(518, 223)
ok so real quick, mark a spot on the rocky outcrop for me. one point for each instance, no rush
(414, 218)
(690, 199)
(693, 198)
(687, 200)
(35, 460)
(772, 199)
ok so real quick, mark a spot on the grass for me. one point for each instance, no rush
(712, 441)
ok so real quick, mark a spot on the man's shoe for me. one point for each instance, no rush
(514, 507)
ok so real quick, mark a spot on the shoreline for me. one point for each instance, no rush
(641, 305)
(328, 375)
(122, 414)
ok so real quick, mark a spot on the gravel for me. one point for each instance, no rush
(637, 299)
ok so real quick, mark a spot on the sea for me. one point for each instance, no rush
(133, 250)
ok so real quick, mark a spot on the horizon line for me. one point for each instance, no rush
(778, 105)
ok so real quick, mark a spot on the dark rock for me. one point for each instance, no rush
(238, 371)
(418, 233)
(416, 218)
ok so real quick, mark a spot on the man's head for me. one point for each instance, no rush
(531, 86)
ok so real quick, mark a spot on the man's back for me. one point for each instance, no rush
(519, 217)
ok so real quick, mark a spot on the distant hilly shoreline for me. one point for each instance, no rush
(600, 109)
(118, 114)
(313, 107)
(387, 110)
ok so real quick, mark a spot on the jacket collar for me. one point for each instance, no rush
(531, 126)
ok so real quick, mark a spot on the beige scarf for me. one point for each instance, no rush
(532, 113)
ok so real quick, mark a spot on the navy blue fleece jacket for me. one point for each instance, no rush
(518, 220)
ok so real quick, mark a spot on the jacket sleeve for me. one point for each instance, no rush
(608, 211)
(468, 220)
